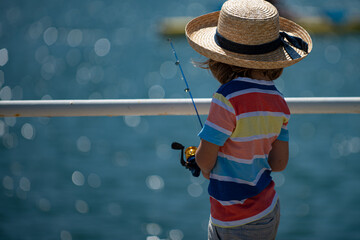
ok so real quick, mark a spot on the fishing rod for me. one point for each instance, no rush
(187, 89)
(189, 163)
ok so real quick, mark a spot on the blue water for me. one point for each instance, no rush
(116, 177)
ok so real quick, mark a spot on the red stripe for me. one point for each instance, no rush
(250, 208)
(221, 117)
(252, 102)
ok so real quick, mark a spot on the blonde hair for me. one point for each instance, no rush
(224, 72)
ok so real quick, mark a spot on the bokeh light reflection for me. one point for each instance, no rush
(163, 151)
(278, 178)
(152, 238)
(83, 74)
(168, 70)
(94, 180)
(10, 140)
(8, 183)
(10, 121)
(156, 91)
(153, 78)
(83, 144)
(65, 235)
(302, 210)
(25, 184)
(44, 204)
(155, 182)
(41, 54)
(114, 209)
(81, 206)
(344, 146)
(195, 190)
(97, 74)
(121, 159)
(176, 234)
(13, 15)
(4, 56)
(102, 47)
(28, 131)
(74, 37)
(5, 93)
(78, 178)
(35, 30)
(153, 229)
(332, 54)
(50, 36)
(132, 121)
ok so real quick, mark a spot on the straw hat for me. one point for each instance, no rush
(250, 34)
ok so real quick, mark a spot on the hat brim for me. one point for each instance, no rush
(200, 33)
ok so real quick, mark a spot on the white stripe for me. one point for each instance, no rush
(262, 113)
(262, 82)
(241, 160)
(220, 129)
(253, 90)
(231, 202)
(247, 220)
(223, 105)
(238, 180)
(255, 137)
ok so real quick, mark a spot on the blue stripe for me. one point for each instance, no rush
(284, 135)
(231, 86)
(247, 172)
(212, 135)
(227, 191)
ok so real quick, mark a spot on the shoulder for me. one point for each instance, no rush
(229, 87)
(239, 84)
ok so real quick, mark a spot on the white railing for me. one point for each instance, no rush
(148, 107)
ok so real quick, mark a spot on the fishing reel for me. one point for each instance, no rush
(190, 158)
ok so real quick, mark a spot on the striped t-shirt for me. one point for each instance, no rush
(246, 116)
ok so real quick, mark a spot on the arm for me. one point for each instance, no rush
(279, 155)
(206, 156)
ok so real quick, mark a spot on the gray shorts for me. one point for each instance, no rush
(264, 229)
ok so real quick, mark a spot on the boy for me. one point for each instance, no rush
(245, 136)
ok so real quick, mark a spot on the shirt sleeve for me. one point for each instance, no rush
(284, 135)
(284, 132)
(221, 121)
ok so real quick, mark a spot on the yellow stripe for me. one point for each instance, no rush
(258, 125)
(223, 99)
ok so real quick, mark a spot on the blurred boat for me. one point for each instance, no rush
(175, 26)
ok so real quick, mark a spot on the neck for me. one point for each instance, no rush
(259, 75)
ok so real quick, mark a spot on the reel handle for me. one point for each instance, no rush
(190, 162)
(179, 146)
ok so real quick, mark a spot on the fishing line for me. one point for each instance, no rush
(187, 89)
